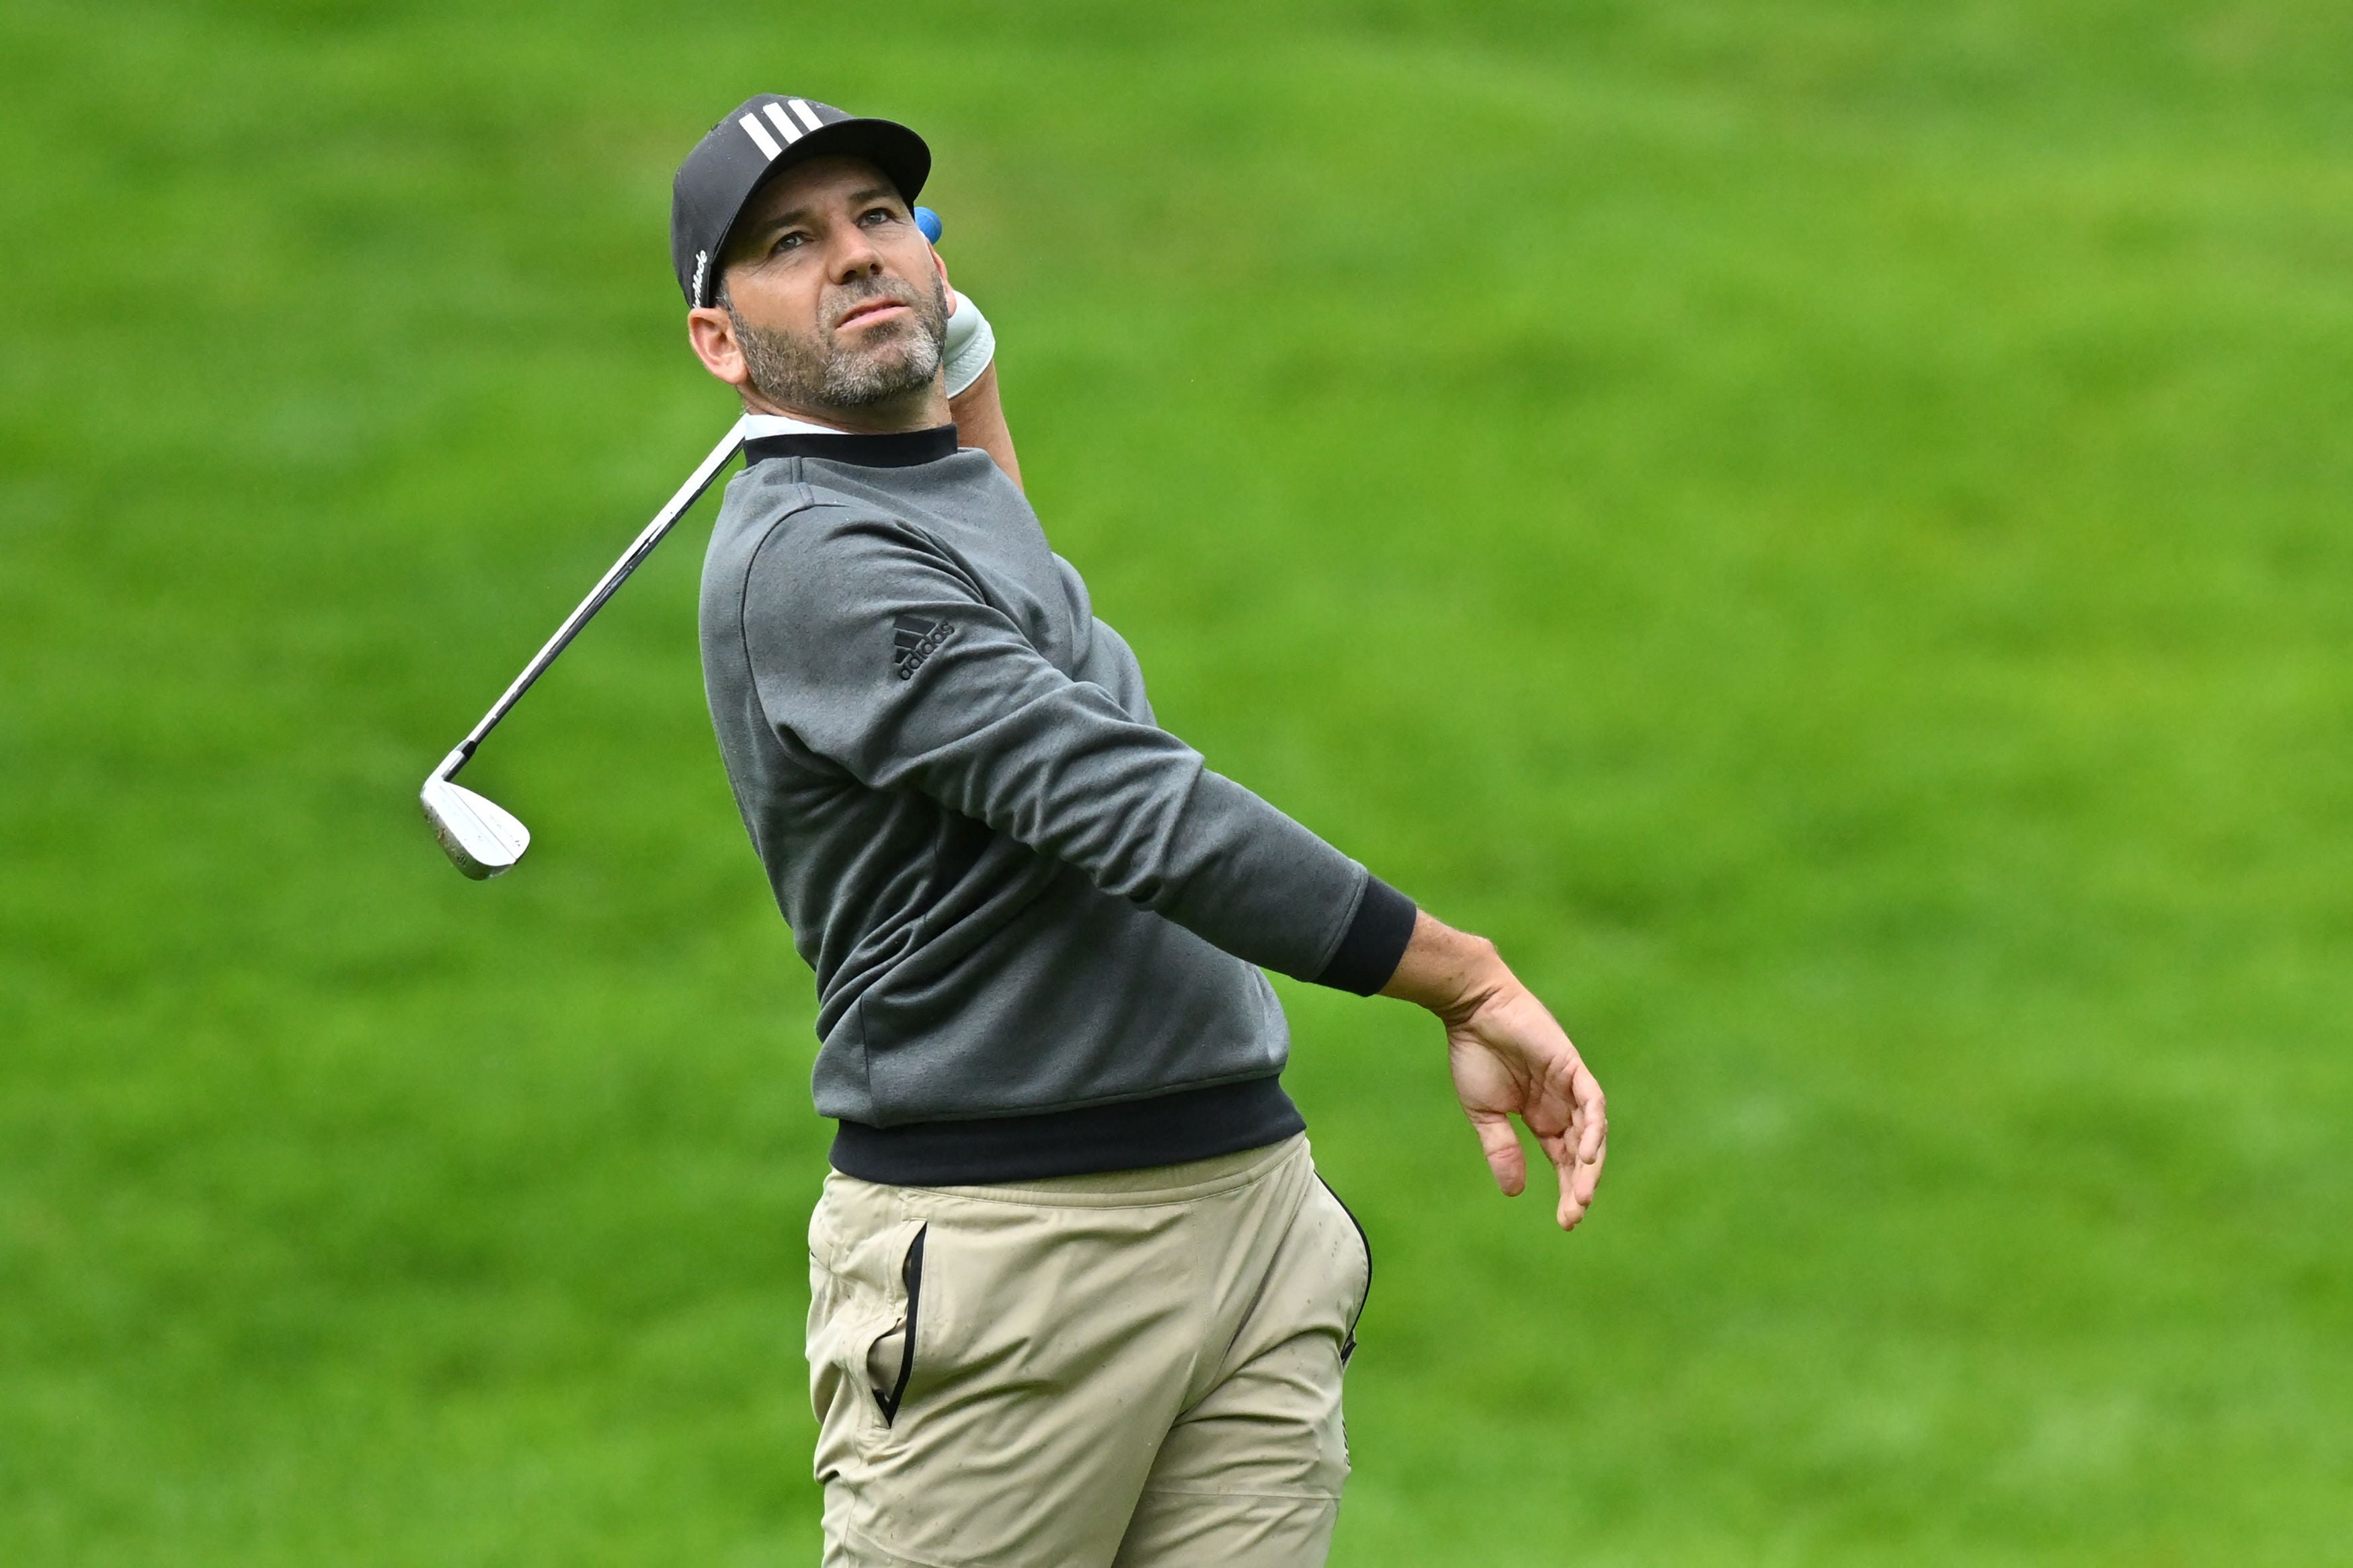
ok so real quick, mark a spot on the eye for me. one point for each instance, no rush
(878, 215)
(792, 239)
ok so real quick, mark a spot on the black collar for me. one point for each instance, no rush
(899, 449)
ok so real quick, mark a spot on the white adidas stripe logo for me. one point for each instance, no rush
(769, 145)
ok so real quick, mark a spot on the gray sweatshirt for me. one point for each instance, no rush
(1035, 916)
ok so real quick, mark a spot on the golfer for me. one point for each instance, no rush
(1077, 1295)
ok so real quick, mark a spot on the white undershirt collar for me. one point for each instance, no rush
(758, 425)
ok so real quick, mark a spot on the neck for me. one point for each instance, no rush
(924, 408)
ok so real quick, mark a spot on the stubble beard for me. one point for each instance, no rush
(817, 371)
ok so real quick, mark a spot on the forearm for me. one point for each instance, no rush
(1450, 972)
(980, 417)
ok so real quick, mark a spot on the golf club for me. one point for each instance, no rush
(481, 837)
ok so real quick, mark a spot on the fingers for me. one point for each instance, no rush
(1578, 1179)
(1578, 1152)
(1589, 1119)
(1501, 1147)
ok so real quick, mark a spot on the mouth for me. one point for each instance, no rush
(868, 311)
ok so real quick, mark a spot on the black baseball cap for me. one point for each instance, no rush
(761, 139)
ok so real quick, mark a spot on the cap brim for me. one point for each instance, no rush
(904, 157)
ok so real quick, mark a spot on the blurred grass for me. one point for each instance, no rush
(1820, 527)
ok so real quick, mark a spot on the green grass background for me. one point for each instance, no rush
(1819, 526)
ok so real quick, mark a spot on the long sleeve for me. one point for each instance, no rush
(873, 646)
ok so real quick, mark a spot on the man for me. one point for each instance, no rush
(1078, 1296)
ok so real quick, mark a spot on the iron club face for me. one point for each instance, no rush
(480, 836)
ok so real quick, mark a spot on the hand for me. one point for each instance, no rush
(1509, 1058)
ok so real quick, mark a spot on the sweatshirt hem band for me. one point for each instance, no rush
(1129, 1135)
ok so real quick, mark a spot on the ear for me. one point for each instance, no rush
(713, 337)
(941, 262)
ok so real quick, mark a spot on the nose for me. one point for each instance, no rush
(854, 254)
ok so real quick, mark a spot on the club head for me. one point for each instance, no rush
(480, 837)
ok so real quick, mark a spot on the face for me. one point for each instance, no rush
(830, 299)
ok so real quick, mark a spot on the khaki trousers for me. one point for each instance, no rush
(1140, 1369)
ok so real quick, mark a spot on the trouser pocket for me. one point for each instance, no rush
(890, 1359)
(1364, 1242)
(865, 1296)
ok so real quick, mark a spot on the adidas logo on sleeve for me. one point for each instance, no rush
(914, 639)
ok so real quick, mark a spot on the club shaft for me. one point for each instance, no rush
(688, 494)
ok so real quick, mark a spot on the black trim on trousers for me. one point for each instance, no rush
(912, 1274)
(1127, 1136)
(1348, 1344)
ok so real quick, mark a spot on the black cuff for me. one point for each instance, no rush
(1376, 940)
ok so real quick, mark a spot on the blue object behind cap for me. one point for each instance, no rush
(929, 222)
